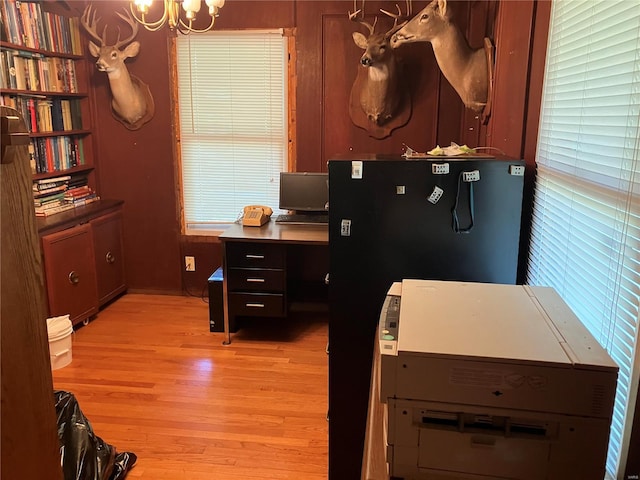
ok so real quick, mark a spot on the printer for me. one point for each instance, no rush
(487, 381)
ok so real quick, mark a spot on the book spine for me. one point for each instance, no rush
(61, 178)
(11, 68)
(33, 118)
(24, 37)
(57, 209)
(32, 159)
(48, 143)
(10, 26)
(56, 115)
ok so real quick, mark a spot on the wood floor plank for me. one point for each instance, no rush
(153, 380)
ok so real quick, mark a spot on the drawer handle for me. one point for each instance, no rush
(110, 257)
(254, 257)
(255, 280)
(74, 278)
(255, 305)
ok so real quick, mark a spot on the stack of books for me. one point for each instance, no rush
(59, 194)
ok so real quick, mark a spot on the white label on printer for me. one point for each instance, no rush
(486, 378)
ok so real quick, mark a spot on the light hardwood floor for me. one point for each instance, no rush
(153, 380)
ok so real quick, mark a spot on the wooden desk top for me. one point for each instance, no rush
(273, 232)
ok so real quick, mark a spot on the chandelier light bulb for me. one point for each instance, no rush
(143, 6)
(171, 14)
(191, 7)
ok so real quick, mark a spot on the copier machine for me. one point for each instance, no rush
(486, 381)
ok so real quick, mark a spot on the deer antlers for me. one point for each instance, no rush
(397, 16)
(358, 16)
(354, 17)
(90, 23)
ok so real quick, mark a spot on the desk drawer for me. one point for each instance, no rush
(256, 280)
(257, 304)
(245, 254)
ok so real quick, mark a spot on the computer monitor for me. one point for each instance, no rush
(304, 191)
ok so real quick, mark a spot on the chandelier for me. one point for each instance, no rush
(171, 14)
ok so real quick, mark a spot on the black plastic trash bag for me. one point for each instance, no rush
(84, 455)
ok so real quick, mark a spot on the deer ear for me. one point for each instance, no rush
(442, 5)
(360, 40)
(131, 50)
(94, 49)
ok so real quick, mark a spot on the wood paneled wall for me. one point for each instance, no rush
(138, 166)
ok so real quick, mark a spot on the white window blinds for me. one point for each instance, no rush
(585, 239)
(233, 122)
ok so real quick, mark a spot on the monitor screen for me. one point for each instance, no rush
(304, 191)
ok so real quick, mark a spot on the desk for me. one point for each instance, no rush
(265, 268)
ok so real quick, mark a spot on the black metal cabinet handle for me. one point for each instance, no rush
(110, 257)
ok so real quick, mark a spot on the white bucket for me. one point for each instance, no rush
(59, 330)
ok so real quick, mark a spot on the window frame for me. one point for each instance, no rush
(289, 34)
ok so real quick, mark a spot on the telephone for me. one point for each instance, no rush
(256, 215)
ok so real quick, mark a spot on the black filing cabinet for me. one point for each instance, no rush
(256, 280)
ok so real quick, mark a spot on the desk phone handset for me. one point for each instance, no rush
(256, 215)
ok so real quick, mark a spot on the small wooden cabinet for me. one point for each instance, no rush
(70, 273)
(109, 256)
(256, 280)
(83, 259)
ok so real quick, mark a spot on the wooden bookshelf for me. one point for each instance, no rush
(45, 76)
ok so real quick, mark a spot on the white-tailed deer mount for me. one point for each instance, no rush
(468, 71)
(379, 100)
(132, 103)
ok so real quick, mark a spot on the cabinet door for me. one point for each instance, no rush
(70, 271)
(108, 246)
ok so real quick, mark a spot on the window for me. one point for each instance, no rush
(232, 96)
(585, 238)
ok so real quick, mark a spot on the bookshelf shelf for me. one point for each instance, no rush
(58, 133)
(42, 94)
(69, 171)
(39, 52)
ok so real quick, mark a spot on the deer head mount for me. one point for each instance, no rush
(132, 103)
(379, 100)
(468, 71)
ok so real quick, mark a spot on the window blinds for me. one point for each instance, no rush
(233, 122)
(585, 239)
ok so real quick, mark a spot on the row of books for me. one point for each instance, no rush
(26, 24)
(22, 70)
(55, 195)
(46, 115)
(53, 154)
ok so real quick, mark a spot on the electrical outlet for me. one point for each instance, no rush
(190, 264)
